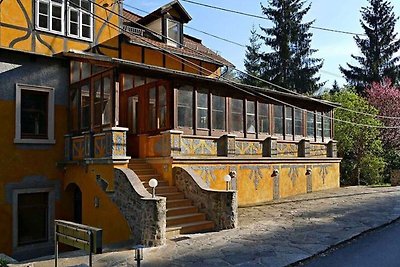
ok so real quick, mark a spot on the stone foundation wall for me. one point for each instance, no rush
(145, 215)
(220, 206)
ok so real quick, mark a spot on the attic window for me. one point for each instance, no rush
(174, 32)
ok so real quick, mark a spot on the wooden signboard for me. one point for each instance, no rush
(79, 236)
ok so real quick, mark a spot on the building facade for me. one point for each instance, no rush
(99, 100)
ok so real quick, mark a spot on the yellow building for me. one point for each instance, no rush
(98, 100)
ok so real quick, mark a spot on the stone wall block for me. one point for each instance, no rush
(116, 143)
(332, 149)
(270, 147)
(226, 145)
(219, 206)
(146, 216)
(304, 148)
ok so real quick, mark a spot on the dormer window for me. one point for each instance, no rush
(174, 32)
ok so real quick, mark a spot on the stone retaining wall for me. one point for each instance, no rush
(220, 206)
(146, 216)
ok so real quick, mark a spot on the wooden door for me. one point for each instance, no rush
(141, 112)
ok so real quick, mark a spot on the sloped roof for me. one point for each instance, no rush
(176, 5)
(265, 92)
(192, 47)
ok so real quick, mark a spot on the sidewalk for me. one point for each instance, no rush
(275, 234)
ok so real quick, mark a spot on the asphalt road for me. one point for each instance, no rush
(378, 248)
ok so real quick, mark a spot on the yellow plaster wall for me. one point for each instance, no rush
(22, 16)
(324, 176)
(292, 181)
(107, 216)
(163, 167)
(19, 161)
(255, 184)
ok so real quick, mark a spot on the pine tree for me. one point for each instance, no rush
(335, 88)
(252, 61)
(378, 48)
(290, 63)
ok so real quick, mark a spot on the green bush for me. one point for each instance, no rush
(372, 168)
(3, 263)
(392, 158)
(359, 146)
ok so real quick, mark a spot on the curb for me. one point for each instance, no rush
(342, 243)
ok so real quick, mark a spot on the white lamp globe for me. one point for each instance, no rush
(227, 178)
(153, 183)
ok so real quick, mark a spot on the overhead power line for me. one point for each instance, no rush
(192, 28)
(265, 18)
(268, 82)
(231, 83)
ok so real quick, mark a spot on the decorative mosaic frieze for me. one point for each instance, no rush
(287, 150)
(256, 173)
(323, 172)
(248, 148)
(192, 146)
(207, 173)
(99, 146)
(78, 148)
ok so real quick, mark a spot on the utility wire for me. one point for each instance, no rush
(231, 83)
(192, 28)
(265, 18)
(265, 81)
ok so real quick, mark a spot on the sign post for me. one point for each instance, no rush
(79, 236)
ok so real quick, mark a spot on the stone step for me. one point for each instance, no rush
(144, 171)
(181, 210)
(147, 177)
(172, 195)
(174, 203)
(185, 218)
(193, 227)
(139, 165)
(171, 232)
(162, 189)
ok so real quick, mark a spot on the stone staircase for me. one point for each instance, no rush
(182, 216)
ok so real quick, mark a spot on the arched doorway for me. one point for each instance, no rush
(75, 200)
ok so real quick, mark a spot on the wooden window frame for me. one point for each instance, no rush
(19, 139)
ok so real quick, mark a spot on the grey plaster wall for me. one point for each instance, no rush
(220, 206)
(18, 67)
(146, 216)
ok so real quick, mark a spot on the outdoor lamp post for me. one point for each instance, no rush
(138, 253)
(227, 179)
(153, 184)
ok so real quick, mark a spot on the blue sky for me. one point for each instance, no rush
(334, 48)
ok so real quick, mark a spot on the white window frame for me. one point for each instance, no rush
(81, 12)
(50, 4)
(171, 41)
(50, 116)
